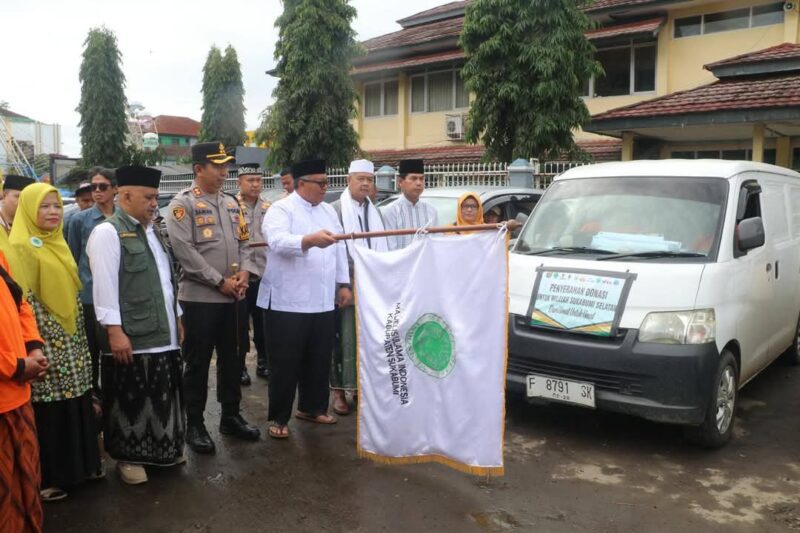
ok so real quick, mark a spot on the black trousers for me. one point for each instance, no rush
(300, 347)
(90, 326)
(259, 334)
(209, 326)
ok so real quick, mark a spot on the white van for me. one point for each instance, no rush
(657, 288)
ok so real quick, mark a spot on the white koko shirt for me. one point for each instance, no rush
(103, 249)
(402, 214)
(300, 281)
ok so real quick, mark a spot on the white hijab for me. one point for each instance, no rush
(352, 215)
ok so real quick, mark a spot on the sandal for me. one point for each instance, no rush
(341, 408)
(52, 494)
(319, 419)
(277, 431)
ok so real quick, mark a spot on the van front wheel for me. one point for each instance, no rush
(717, 428)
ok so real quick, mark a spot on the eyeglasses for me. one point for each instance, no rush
(102, 187)
(469, 207)
(322, 184)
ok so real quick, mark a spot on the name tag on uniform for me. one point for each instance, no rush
(126, 234)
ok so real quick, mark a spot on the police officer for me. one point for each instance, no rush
(210, 240)
(253, 207)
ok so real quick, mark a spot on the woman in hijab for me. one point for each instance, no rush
(61, 399)
(470, 211)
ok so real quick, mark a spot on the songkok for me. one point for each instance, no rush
(249, 168)
(138, 176)
(213, 152)
(361, 166)
(17, 183)
(308, 167)
(83, 187)
(411, 166)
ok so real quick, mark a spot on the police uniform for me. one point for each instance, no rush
(254, 216)
(208, 238)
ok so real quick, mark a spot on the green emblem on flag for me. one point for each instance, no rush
(429, 343)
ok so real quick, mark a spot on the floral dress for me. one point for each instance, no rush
(70, 372)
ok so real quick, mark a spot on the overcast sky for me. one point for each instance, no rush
(163, 43)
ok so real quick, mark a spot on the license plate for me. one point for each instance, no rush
(561, 390)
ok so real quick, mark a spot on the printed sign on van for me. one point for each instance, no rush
(582, 301)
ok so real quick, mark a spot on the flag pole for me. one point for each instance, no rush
(511, 225)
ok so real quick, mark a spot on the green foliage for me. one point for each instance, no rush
(315, 99)
(136, 156)
(102, 106)
(223, 98)
(527, 64)
(265, 133)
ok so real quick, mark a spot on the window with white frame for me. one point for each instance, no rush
(733, 19)
(438, 91)
(380, 98)
(628, 69)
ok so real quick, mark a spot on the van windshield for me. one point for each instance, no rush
(628, 219)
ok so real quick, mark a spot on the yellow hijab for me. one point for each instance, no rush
(459, 220)
(49, 269)
(15, 266)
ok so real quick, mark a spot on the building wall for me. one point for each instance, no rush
(170, 140)
(45, 138)
(405, 129)
(679, 66)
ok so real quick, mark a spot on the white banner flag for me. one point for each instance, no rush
(432, 338)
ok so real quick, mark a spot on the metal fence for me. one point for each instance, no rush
(491, 174)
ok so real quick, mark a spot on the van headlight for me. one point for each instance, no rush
(679, 327)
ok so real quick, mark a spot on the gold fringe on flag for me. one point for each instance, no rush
(432, 458)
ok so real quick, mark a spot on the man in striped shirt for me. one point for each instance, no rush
(408, 211)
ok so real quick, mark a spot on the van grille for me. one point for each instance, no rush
(612, 381)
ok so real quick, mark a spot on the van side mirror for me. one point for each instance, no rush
(751, 233)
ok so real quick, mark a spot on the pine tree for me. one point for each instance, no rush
(527, 64)
(223, 98)
(315, 99)
(102, 106)
(212, 81)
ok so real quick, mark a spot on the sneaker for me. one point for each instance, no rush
(131, 474)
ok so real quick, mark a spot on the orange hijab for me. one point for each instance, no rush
(460, 220)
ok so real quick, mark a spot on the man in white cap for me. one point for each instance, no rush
(357, 214)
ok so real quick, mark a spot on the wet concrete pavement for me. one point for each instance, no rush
(567, 469)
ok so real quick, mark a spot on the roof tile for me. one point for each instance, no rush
(601, 150)
(408, 62)
(650, 26)
(416, 34)
(438, 10)
(172, 125)
(727, 94)
(600, 5)
(783, 51)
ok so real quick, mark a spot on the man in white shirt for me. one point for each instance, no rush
(357, 214)
(306, 274)
(408, 211)
(135, 300)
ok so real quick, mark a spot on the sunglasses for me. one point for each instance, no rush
(102, 187)
(323, 184)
